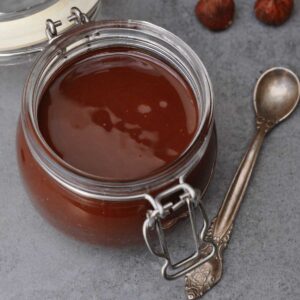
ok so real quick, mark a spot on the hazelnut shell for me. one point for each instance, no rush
(273, 12)
(216, 15)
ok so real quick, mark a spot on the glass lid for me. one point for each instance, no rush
(23, 23)
(13, 9)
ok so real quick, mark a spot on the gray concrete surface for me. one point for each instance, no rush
(262, 262)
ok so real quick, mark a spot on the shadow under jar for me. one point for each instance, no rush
(117, 120)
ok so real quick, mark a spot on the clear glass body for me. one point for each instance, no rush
(80, 204)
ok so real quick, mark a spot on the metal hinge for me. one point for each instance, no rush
(76, 16)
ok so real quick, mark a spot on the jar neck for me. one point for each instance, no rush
(140, 35)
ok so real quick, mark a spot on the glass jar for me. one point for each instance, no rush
(114, 213)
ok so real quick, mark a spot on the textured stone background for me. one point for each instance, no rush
(262, 262)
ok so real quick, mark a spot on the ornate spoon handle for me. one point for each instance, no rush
(207, 275)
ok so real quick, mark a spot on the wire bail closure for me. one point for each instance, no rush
(76, 16)
(153, 223)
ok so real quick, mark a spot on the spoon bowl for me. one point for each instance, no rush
(276, 94)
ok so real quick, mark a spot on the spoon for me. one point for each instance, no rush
(276, 96)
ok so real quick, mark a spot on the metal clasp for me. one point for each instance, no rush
(76, 16)
(153, 223)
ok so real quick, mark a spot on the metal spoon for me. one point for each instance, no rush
(276, 96)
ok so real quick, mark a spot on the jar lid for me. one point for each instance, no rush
(23, 23)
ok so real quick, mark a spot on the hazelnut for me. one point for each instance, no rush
(215, 14)
(273, 12)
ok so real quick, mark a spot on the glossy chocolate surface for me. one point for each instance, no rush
(119, 114)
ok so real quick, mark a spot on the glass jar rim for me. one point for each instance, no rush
(116, 32)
